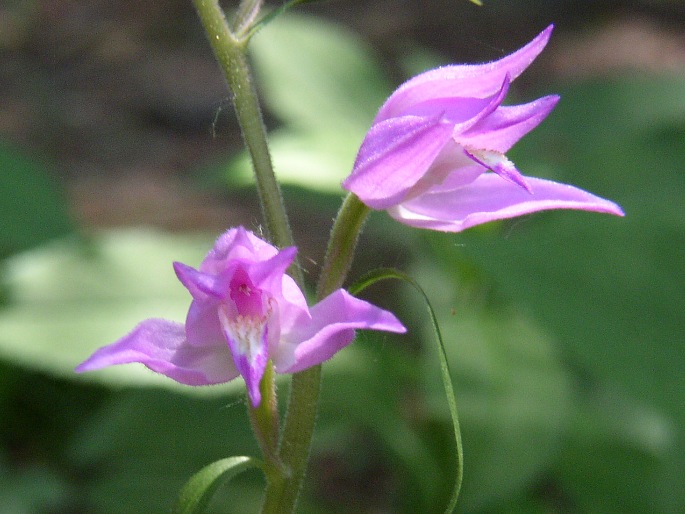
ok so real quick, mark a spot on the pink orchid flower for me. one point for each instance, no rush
(427, 155)
(245, 311)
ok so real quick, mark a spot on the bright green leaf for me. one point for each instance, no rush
(199, 490)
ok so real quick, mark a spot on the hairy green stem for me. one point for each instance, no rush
(306, 385)
(281, 495)
(341, 245)
(231, 52)
(264, 417)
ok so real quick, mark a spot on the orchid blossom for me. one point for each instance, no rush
(427, 157)
(245, 311)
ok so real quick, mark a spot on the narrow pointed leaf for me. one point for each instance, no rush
(269, 17)
(197, 492)
(388, 273)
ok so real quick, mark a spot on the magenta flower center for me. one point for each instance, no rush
(247, 298)
(244, 320)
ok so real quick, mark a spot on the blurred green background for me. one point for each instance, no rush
(119, 154)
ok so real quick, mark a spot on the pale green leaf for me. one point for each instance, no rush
(319, 161)
(72, 296)
(315, 74)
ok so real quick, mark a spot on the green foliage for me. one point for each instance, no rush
(610, 291)
(32, 207)
(149, 442)
(511, 386)
(386, 273)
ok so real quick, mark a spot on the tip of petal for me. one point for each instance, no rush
(489, 198)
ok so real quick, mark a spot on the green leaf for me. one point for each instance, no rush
(318, 161)
(32, 206)
(197, 492)
(386, 273)
(316, 75)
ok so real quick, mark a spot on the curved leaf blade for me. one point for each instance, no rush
(389, 273)
(197, 492)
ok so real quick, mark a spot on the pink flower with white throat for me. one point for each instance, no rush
(435, 154)
(245, 312)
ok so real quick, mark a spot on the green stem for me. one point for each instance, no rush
(231, 52)
(341, 245)
(264, 417)
(281, 497)
(286, 472)
(282, 494)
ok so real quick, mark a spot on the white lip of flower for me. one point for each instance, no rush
(490, 158)
(498, 163)
(246, 331)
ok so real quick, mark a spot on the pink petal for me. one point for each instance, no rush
(504, 127)
(161, 346)
(292, 304)
(334, 320)
(491, 198)
(463, 112)
(236, 243)
(202, 324)
(268, 274)
(202, 286)
(270, 277)
(479, 81)
(394, 156)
